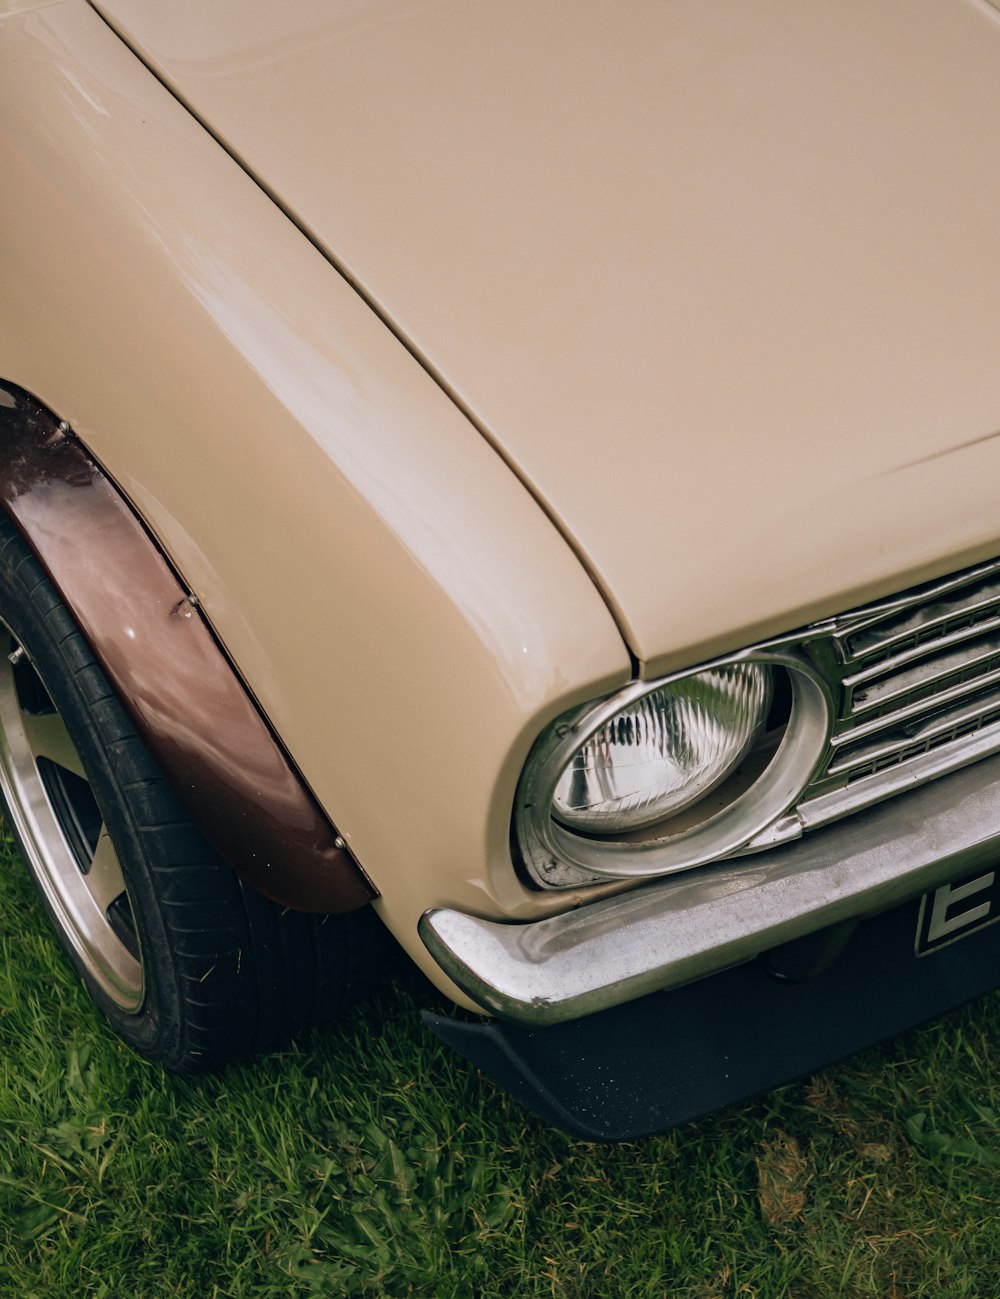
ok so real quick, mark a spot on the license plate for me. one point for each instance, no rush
(956, 910)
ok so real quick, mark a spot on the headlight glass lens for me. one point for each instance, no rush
(663, 752)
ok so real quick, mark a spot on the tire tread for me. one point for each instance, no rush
(229, 972)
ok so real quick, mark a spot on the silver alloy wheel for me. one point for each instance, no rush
(62, 832)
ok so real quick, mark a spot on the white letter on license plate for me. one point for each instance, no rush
(944, 898)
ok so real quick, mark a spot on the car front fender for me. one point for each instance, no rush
(402, 609)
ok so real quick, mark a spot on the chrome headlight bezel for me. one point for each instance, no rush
(558, 857)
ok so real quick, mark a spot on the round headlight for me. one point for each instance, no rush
(663, 752)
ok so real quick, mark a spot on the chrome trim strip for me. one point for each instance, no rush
(945, 613)
(894, 678)
(868, 616)
(692, 925)
(823, 808)
(941, 699)
(924, 730)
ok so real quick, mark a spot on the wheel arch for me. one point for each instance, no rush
(148, 632)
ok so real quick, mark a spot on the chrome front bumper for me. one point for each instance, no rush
(699, 922)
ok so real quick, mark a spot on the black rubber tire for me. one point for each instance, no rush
(225, 971)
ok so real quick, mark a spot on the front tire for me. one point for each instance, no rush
(191, 966)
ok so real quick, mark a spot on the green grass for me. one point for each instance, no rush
(371, 1162)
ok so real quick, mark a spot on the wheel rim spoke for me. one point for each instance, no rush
(57, 820)
(104, 878)
(48, 737)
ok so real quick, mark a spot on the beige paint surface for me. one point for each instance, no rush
(22, 6)
(736, 326)
(722, 279)
(401, 606)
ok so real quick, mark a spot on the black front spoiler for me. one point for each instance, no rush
(673, 1056)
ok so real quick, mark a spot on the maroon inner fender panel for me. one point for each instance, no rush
(177, 684)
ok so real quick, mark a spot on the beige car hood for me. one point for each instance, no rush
(720, 280)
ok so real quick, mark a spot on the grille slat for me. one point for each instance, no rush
(972, 602)
(938, 666)
(918, 691)
(918, 734)
(915, 708)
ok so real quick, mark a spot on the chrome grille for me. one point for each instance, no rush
(917, 684)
